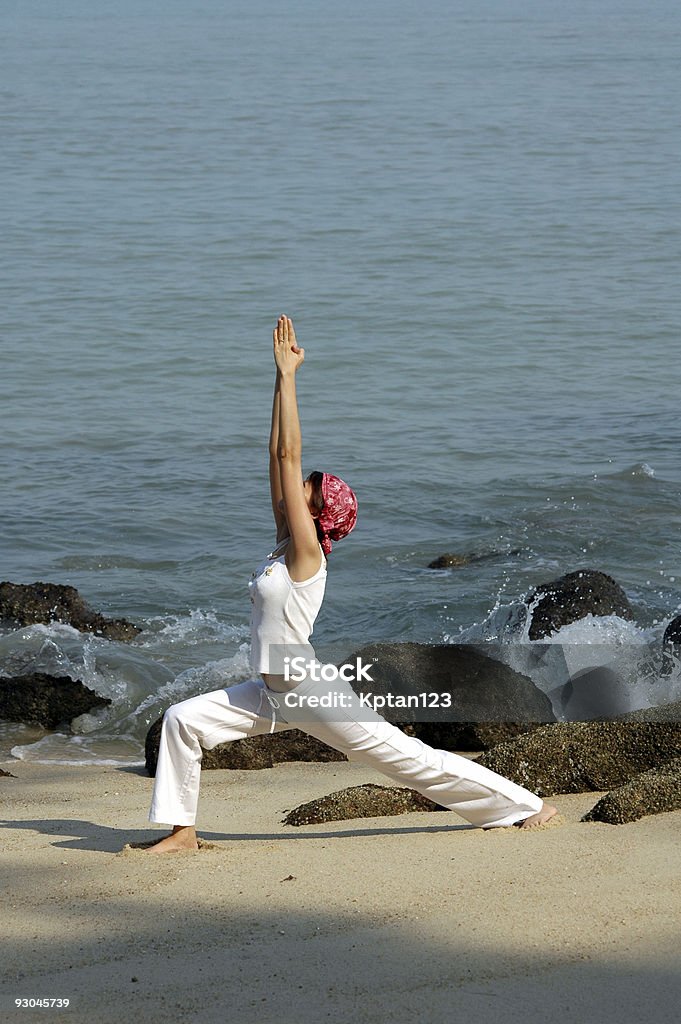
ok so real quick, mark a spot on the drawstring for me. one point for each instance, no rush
(274, 704)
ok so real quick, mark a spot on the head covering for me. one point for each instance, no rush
(339, 515)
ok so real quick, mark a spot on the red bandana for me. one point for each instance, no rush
(339, 514)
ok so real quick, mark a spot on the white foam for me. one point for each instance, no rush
(78, 751)
(190, 629)
(643, 469)
(213, 676)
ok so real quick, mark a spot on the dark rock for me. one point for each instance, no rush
(453, 561)
(253, 752)
(652, 792)
(449, 561)
(41, 699)
(672, 634)
(663, 713)
(572, 597)
(367, 801)
(671, 647)
(480, 689)
(7, 775)
(25, 604)
(577, 757)
(468, 735)
(597, 693)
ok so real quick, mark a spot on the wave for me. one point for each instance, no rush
(171, 660)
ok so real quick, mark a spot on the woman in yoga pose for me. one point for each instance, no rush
(287, 591)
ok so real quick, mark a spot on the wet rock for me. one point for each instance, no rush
(652, 792)
(41, 699)
(572, 597)
(367, 801)
(478, 688)
(577, 757)
(597, 693)
(26, 604)
(672, 634)
(449, 561)
(671, 647)
(254, 752)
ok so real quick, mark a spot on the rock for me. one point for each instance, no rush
(572, 597)
(671, 647)
(577, 757)
(25, 604)
(597, 693)
(468, 735)
(672, 634)
(449, 561)
(652, 792)
(480, 689)
(7, 775)
(254, 752)
(367, 801)
(663, 713)
(41, 699)
(453, 561)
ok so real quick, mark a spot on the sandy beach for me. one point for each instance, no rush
(410, 918)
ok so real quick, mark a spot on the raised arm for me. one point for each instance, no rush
(276, 492)
(303, 556)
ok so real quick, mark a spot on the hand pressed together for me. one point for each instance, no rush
(287, 354)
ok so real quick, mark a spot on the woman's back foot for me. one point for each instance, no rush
(181, 839)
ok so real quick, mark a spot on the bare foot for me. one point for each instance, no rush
(540, 818)
(183, 837)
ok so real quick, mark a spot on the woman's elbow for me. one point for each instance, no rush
(289, 453)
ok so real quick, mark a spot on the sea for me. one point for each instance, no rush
(472, 213)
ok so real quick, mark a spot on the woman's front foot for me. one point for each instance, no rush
(182, 838)
(540, 818)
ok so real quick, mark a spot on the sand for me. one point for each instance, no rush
(410, 918)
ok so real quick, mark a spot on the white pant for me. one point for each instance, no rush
(477, 794)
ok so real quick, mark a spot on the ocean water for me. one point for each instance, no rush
(471, 211)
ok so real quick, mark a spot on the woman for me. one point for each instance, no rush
(286, 594)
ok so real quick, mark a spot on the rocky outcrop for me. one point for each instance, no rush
(652, 792)
(254, 752)
(367, 801)
(572, 597)
(26, 604)
(41, 699)
(576, 757)
(479, 689)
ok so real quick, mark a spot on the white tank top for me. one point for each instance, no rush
(283, 612)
